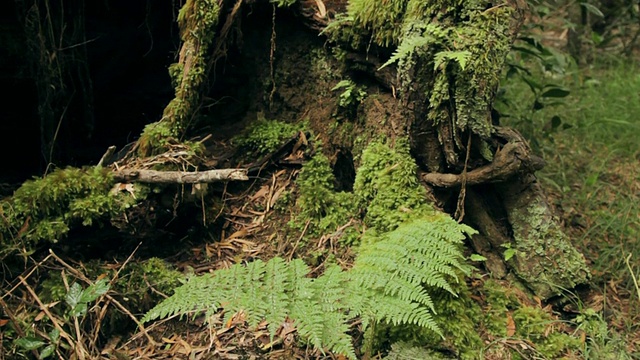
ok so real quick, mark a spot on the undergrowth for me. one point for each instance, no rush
(390, 282)
(592, 173)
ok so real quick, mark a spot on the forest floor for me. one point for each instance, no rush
(593, 179)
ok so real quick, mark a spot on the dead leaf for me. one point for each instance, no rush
(511, 325)
(276, 195)
(322, 10)
(238, 234)
(264, 190)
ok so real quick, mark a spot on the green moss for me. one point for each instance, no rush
(536, 326)
(45, 209)
(136, 281)
(499, 301)
(387, 187)
(452, 51)
(265, 136)
(197, 20)
(320, 204)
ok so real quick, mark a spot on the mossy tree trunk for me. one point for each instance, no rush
(437, 90)
(440, 94)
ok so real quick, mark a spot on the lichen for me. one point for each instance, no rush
(557, 264)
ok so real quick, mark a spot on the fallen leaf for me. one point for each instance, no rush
(511, 325)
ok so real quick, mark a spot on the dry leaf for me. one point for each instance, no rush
(511, 325)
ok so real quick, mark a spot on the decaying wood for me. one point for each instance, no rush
(180, 177)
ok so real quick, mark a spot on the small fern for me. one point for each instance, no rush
(390, 282)
(461, 57)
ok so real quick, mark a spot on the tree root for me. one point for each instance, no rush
(514, 158)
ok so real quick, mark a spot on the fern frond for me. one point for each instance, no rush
(197, 294)
(405, 351)
(401, 266)
(275, 300)
(461, 57)
(407, 47)
(390, 281)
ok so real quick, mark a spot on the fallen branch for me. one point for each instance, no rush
(180, 177)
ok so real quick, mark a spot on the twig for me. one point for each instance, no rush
(103, 311)
(306, 226)
(103, 160)
(26, 277)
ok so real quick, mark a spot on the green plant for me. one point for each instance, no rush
(386, 186)
(265, 136)
(351, 96)
(390, 282)
(76, 303)
(319, 203)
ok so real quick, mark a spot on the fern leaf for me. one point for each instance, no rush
(197, 294)
(461, 57)
(275, 300)
(407, 48)
(253, 291)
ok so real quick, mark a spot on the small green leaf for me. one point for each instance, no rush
(508, 254)
(556, 122)
(54, 336)
(79, 310)
(73, 295)
(556, 92)
(46, 352)
(592, 9)
(94, 291)
(29, 343)
(477, 257)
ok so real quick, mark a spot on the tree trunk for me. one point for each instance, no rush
(480, 173)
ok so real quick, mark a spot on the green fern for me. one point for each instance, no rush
(390, 282)
(461, 57)
(418, 36)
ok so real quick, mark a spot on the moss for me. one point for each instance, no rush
(537, 326)
(499, 301)
(46, 209)
(452, 51)
(143, 282)
(320, 204)
(265, 136)
(387, 187)
(458, 319)
(197, 20)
